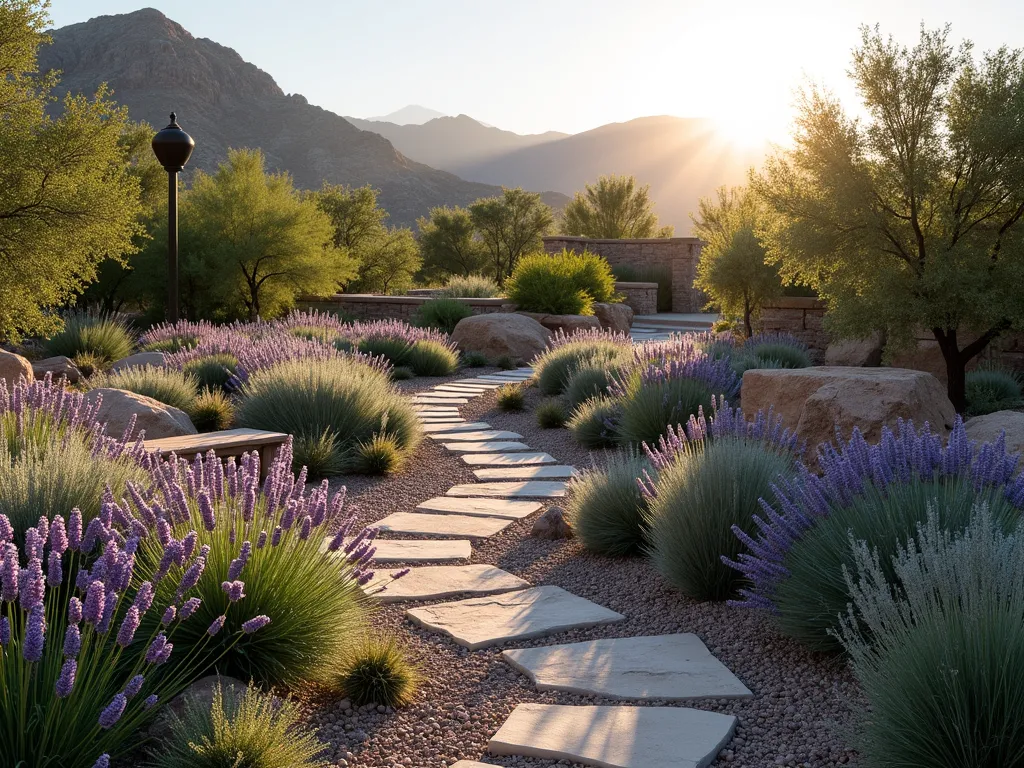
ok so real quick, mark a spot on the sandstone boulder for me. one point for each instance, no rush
(499, 334)
(814, 401)
(139, 360)
(155, 418)
(552, 525)
(614, 317)
(864, 353)
(565, 323)
(13, 367)
(59, 367)
(987, 428)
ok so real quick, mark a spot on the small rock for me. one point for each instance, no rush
(552, 525)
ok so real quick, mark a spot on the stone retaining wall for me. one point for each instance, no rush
(372, 307)
(802, 317)
(679, 255)
(642, 298)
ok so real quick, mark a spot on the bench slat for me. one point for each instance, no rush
(229, 439)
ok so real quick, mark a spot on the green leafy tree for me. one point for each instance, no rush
(389, 262)
(615, 207)
(449, 244)
(357, 218)
(912, 216)
(732, 268)
(67, 198)
(509, 226)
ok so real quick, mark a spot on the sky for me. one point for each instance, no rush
(568, 65)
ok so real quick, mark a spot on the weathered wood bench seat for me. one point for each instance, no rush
(229, 442)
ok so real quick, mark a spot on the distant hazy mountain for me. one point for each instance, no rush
(154, 66)
(453, 142)
(413, 114)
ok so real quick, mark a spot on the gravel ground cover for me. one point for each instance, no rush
(802, 701)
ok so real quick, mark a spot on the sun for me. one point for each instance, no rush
(753, 128)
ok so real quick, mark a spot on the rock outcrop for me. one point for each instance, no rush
(59, 367)
(13, 367)
(987, 428)
(156, 419)
(614, 317)
(565, 323)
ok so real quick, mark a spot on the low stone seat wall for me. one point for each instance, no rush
(364, 306)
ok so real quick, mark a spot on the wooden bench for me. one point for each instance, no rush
(230, 442)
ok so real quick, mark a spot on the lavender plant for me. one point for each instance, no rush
(776, 350)
(594, 423)
(877, 493)
(293, 553)
(567, 353)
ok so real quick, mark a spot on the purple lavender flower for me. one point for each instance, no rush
(109, 606)
(74, 610)
(102, 762)
(159, 650)
(58, 535)
(35, 633)
(306, 527)
(72, 641)
(33, 586)
(6, 530)
(276, 538)
(113, 711)
(129, 625)
(206, 510)
(188, 545)
(75, 529)
(189, 607)
(33, 544)
(216, 626)
(54, 570)
(134, 686)
(235, 590)
(169, 615)
(66, 681)
(5, 631)
(10, 574)
(235, 569)
(261, 540)
(150, 701)
(191, 576)
(255, 624)
(94, 532)
(95, 602)
(144, 596)
(163, 532)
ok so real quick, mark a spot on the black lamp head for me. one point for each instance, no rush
(173, 147)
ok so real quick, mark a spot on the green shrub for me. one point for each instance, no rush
(88, 364)
(585, 383)
(401, 373)
(648, 273)
(511, 397)
(555, 367)
(709, 487)
(338, 398)
(378, 672)
(474, 359)
(594, 423)
(992, 389)
(108, 338)
(472, 287)
(432, 358)
(212, 371)
(443, 314)
(506, 363)
(606, 509)
(649, 407)
(542, 283)
(396, 350)
(169, 386)
(320, 455)
(212, 411)
(248, 730)
(936, 643)
(380, 455)
(173, 344)
(776, 350)
(551, 415)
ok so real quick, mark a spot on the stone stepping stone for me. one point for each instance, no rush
(444, 526)
(508, 459)
(467, 388)
(670, 667)
(513, 510)
(463, 426)
(527, 472)
(615, 737)
(439, 400)
(428, 408)
(530, 489)
(444, 421)
(479, 435)
(505, 379)
(426, 412)
(490, 446)
(437, 582)
(481, 622)
(421, 550)
(470, 764)
(482, 383)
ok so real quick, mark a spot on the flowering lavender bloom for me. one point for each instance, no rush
(255, 624)
(216, 626)
(54, 570)
(6, 530)
(589, 336)
(275, 539)
(150, 701)
(235, 590)
(206, 510)
(144, 596)
(102, 762)
(261, 540)
(189, 607)
(5, 631)
(74, 610)
(159, 650)
(306, 527)
(66, 681)
(169, 615)
(188, 545)
(75, 529)
(33, 586)
(95, 532)
(134, 686)
(113, 711)
(95, 601)
(72, 641)
(129, 625)
(191, 577)
(35, 632)
(236, 566)
(10, 574)
(33, 544)
(109, 606)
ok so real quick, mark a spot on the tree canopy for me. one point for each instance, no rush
(510, 225)
(449, 243)
(67, 196)
(911, 216)
(732, 268)
(613, 208)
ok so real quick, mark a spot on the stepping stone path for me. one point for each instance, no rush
(512, 510)
(669, 667)
(505, 608)
(530, 489)
(481, 622)
(436, 582)
(615, 737)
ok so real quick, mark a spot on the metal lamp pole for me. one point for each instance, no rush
(172, 147)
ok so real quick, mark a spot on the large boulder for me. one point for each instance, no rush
(815, 401)
(614, 317)
(13, 367)
(59, 367)
(987, 428)
(863, 353)
(139, 360)
(567, 324)
(156, 419)
(502, 333)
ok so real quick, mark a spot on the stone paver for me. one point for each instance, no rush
(670, 667)
(470, 764)
(530, 489)
(427, 399)
(508, 459)
(528, 472)
(615, 737)
(428, 408)
(421, 550)
(442, 420)
(480, 435)
(490, 446)
(462, 427)
(481, 622)
(451, 526)
(467, 388)
(505, 378)
(513, 510)
(437, 582)
(478, 383)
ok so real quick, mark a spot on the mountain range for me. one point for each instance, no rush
(417, 157)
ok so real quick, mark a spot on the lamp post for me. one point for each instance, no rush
(172, 147)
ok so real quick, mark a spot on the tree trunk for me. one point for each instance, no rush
(957, 359)
(747, 312)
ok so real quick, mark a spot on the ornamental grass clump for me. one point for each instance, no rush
(442, 313)
(469, 287)
(936, 641)
(776, 350)
(106, 337)
(511, 397)
(566, 354)
(83, 662)
(709, 478)
(992, 389)
(340, 401)
(594, 423)
(876, 493)
(550, 414)
(587, 382)
(607, 511)
(168, 385)
(380, 455)
(212, 411)
(212, 371)
(293, 553)
(565, 283)
(433, 358)
(378, 671)
(250, 729)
